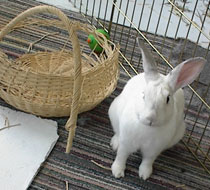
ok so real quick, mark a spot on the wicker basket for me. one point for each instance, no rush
(58, 83)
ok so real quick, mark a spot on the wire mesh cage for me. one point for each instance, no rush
(174, 30)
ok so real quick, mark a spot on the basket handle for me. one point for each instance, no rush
(71, 123)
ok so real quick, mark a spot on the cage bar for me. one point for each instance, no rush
(124, 26)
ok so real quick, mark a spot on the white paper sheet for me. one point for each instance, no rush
(23, 148)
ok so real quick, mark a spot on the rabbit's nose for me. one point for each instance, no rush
(150, 122)
(150, 119)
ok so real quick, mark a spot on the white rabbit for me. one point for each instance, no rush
(148, 114)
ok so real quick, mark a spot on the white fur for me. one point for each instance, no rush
(142, 120)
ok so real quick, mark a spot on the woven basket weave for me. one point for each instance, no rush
(58, 83)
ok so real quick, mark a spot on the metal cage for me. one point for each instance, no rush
(174, 30)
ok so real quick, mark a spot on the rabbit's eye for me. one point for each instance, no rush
(168, 98)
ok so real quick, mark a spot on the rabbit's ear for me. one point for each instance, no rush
(185, 73)
(149, 65)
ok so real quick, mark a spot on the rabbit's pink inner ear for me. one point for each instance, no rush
(189, 71)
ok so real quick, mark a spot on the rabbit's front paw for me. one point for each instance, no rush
(114, 142)
(118, 170)
(145, 171)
